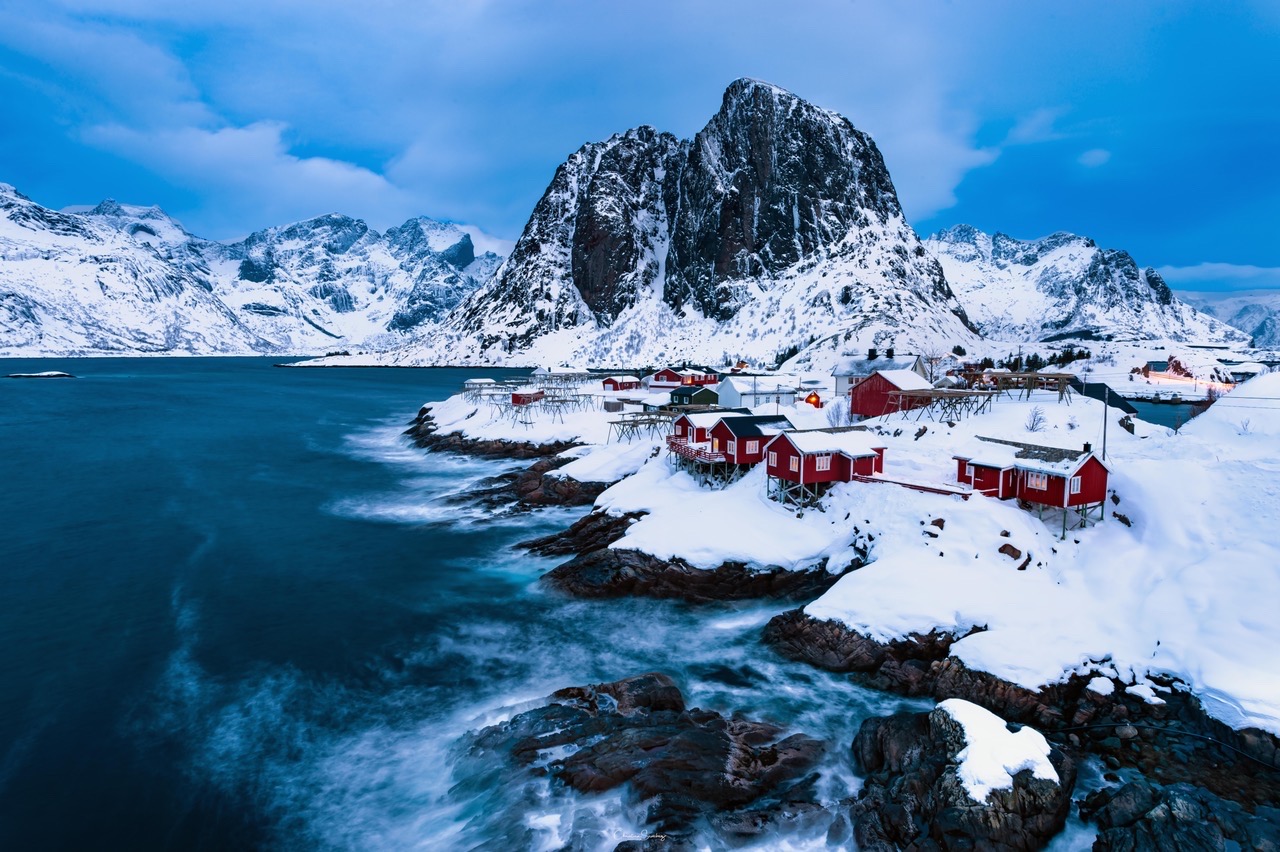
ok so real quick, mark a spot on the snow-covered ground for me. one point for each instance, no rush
(1188, 590)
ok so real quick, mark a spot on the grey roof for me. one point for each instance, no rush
(1098, 391)
(1037, 452)
(753, 426)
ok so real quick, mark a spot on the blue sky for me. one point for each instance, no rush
(1150, 127)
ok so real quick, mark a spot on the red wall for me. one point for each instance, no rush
(692, 434)
(609, 384)
(870, 398)
(842, 469)
(740, 455)
(1051, 496)
(1093, 483)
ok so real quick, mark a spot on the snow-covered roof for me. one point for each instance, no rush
(866, 366)
(621, 379)
(707, 419)
(762, 384)
(479, 382)
(852, 443)
(754, 426)
(1000, 453)
(906, 379)
(688, 372)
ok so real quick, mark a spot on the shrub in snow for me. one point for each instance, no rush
(1036, 420)
(1072, 423)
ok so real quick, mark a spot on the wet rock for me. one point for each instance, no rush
(1010, 551)
(1145, 817)
(682, 765)
(1183, 744)
(424, 433)
(537, 485)
(617, 572)
(914, 797)
(588, 533)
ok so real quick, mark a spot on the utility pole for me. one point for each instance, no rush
(1106, 403)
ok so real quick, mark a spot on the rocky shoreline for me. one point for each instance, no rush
(599, 571)
(424, 433)
(1170, 743)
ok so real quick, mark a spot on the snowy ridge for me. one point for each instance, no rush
(119, 279)
(1256, 312)
(1063, 285)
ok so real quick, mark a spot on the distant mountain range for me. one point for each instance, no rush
(1255, 312)
(119, 279)
(774, 234)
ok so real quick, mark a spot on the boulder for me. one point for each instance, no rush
(915, 795)
(1145, 817)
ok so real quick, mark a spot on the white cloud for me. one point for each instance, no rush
(1094, 157)
(1036, 126)
(1222, 276)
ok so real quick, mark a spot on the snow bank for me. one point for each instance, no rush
(994, 754)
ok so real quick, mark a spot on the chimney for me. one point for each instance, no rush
(1088, 448)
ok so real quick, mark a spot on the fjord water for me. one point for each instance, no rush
(238, 609)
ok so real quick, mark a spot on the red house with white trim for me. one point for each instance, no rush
(873, 396)
(802, 466)
(619, 383)
(743, 439)
(1041, 475)
(668, 378)
(695, 427)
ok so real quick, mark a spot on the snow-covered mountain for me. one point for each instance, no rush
(1062, 286)
(119, 279)
(1255, 312)
(775, 228)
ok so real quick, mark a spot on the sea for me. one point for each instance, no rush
(239, 610)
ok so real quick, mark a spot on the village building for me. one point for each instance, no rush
(755, 391)
(742, 439)
(668, 378)
(527, 396)
(694, 395)
(878, 394)
(802, 466)
(1053, 477)
(620, 383)
(851, 370)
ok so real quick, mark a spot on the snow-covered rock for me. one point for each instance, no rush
(1064, 286)
(1255, 312)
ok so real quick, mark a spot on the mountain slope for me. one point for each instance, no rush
(118, 278)
(775, 228)
(1063, 286)
(1255, 312)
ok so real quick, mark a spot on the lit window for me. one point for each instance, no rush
(773, 458)
(679, 430)
(1038, 481)
(824, 462)
(753, 447)
(1075, 485)
(795, 463)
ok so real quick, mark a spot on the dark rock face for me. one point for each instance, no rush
(1171, 742)
(681, 764)
(613, 573)
(536, 485)
(913, 797)
(591, 532)
(769, 182)
(1145, 817)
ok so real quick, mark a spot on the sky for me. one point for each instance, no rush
(1147, 126)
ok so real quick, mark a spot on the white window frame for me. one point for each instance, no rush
(795, 464)
(822, 462)
(1075, 485)
(773, 458)
(753, 447)
(968, 471)
(679, 429)
(731, 448)
(1037, 481)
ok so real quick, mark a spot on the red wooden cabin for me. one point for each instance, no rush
(802, 465)
(669, 378)
(695, 428)
(743, 439)
(1045, 476)
(526, 397)
(872, 397)
(619, 383)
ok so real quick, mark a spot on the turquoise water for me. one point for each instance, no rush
(238, 612)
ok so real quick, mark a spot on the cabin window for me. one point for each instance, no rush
(1075, 485)
(1038, 481)
(753, 447)
(679, 429)
(773, 458)
(731, 448)
(968, 471)
(715, 445)
(795, 464)
(823, 462)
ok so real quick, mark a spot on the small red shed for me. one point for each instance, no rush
(872, 397)
(527, 396)
(619, 383)
(801, 466)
